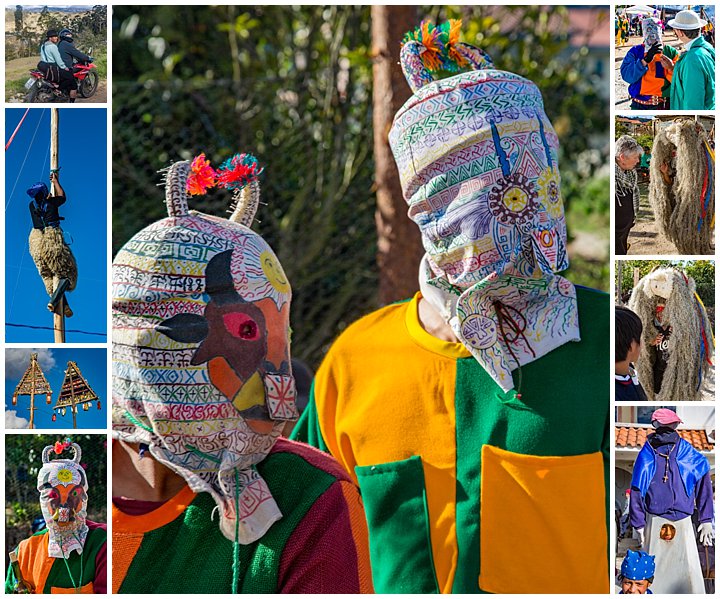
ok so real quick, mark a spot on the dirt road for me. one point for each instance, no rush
(646, 237)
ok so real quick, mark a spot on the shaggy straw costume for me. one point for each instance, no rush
(53, 258)
(685, 210)
(691, 344)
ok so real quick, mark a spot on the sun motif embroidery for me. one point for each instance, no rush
(480, 332)
(274, 272)
(550, 193)
(513, 199)
(64, 475)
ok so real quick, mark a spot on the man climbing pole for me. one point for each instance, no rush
(52, 256)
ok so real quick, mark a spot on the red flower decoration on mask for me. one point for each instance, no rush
(201, 177)
(238, 171)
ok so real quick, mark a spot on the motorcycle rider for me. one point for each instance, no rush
(54, 68)
(69, 53)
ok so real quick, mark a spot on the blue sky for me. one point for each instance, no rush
(53, 361)
(83, 175)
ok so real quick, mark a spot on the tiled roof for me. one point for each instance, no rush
(633, 437)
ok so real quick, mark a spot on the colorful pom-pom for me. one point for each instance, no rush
(439, 52)
(201, 177)
(58, 448)
(238, 171)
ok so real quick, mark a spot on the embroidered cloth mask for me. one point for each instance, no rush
(63, 501)
(477, 158)
(201, 357)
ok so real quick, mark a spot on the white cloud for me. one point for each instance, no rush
(12, 420)
(17, 360)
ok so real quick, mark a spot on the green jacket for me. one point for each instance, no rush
(693, 82)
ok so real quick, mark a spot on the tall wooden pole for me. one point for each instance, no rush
(59, 313)
(32, 395)
(73, 405)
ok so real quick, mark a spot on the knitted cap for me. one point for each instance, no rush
(665, 416)
(477, 158)
(638, 565)
(201, 338)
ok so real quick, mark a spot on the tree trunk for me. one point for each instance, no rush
(399, 245)
(59, 313)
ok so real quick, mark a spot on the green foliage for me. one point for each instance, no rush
(15, 87)
(589, 273)
(591, 209)
(101, 63)
(89, 28)
(19, 513)
(23, 460)
(645, 140)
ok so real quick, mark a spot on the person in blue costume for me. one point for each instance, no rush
(642, 69)
(670, 480)
(637, 573)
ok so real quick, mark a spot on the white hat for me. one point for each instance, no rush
(687, 19)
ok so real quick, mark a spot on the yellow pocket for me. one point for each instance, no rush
(542, 523)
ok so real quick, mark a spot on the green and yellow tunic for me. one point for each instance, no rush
(468, 488)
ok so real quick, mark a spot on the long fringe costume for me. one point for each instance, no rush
(691, 343)
(684, 210)
(53, 258)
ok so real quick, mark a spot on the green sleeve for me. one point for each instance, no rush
(669, 51)
(10, 581)
(307, 430)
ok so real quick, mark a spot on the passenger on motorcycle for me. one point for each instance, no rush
(68, 52)
(52, 66)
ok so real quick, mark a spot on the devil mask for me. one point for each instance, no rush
(201, 357)
(63, 500)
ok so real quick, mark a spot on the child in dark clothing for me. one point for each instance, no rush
(628, 332)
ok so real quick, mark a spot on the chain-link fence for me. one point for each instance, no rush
(317, 184)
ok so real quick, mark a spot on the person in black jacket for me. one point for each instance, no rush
(52, 256)
(70, 54)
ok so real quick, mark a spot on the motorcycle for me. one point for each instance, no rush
(41, 90)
